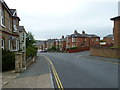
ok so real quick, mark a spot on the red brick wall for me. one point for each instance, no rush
(78, 50)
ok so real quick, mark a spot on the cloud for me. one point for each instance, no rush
(54, 18)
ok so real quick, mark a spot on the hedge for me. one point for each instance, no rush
(31, 51)
(8, 60)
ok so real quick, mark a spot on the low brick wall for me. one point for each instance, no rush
(78, 50)
(105, 52)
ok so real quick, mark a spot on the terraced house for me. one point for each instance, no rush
(10, 36)
(9, 24)
(81, 40)
(61, 43)
(51, 43)
(22, 38)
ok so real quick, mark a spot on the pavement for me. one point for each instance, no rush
(79, 70)
(36, 76)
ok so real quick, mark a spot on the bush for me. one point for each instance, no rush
(73, 48)
(8, 60)
(31, 51)
(52, 49)
(115, 47)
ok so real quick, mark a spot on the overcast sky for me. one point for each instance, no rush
(54, 18)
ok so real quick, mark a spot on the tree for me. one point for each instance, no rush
(30, 39)
(31, 49)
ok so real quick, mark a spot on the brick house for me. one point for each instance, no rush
(9, 38)
(39, 44)
(116, 31)
(109, 39)
(62, 43)
(51, 43)
(81, 40)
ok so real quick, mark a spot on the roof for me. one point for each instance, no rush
(21, 29)
(92, 35)
(39, 43)
(110, 35)
(51, 40)
(7, 8)
(118, 17)
(14, 14)
(12, 11)
(82, 35)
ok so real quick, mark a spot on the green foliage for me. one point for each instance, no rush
(102, 41)
(52, 49)
(31, 51)
(73, 48)
(30, 39)
(8, 60)
(115, 47)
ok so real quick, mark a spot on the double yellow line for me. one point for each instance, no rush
(59, 84)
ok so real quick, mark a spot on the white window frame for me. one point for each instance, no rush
(3, 44)
(2, 22)
(73, 40)
(9, 45)
(15, 28)
(11, 49)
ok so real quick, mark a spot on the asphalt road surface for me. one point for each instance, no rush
(78, 70)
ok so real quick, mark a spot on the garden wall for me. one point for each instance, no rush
(78, 49)
(105, 52)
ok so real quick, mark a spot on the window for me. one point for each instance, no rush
(13, 45)
(23, 36)
(73, 45)
(2, 44)
(2, 21)
(15, 28)
(73, 40)
(97, 39)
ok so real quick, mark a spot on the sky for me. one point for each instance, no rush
(54, 18)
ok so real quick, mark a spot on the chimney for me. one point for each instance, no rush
(75, 32)
(62, 36)
(83, 32)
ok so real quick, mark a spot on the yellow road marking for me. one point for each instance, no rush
(59, 84)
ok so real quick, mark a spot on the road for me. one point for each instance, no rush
(78, 70)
